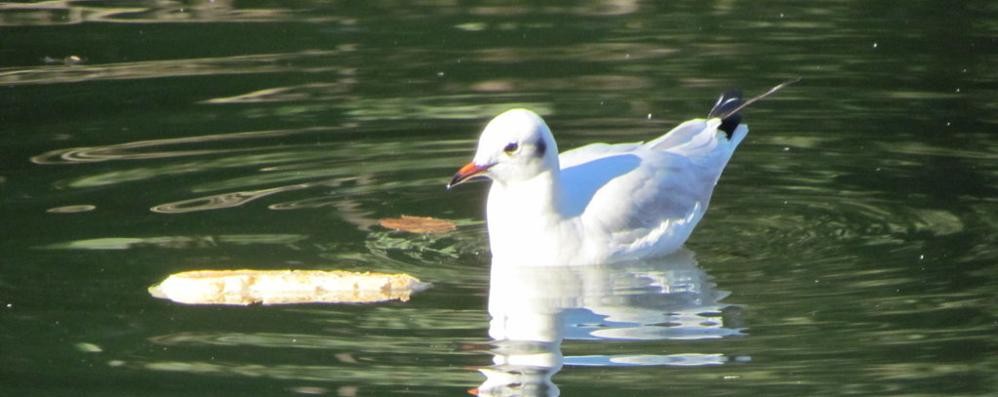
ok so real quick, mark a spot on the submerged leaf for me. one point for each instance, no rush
(418, 224)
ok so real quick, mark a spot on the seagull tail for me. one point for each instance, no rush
(730, 103)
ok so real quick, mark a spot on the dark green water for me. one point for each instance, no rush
(850, 248)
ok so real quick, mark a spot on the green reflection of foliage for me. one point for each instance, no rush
(423, 108)
(73, 12)
(433, 258)
(427, 248)
(393, 374)
(372, 343)
(246, 64)
(402, 319)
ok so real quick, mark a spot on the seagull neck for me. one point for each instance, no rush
(536, 198)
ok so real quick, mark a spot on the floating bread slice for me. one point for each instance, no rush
(418, 224)
(273, 287)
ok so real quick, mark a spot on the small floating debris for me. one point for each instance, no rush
(275, 287)
(68, 60)
(311, 390)
(71, 209)
(86, 347)
(418, 224)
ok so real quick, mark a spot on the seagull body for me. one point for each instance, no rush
(599, 203)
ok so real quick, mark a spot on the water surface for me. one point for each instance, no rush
(849, 249)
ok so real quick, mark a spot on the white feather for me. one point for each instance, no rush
(599, 203)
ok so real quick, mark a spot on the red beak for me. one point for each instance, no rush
(467, 172)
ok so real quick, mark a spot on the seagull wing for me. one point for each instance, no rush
(637, 200)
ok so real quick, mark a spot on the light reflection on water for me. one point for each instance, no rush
(247, 64)
(535, 309)
(68, 12)
(352, 170)
(176, 242)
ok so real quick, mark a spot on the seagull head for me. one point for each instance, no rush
(516, 145)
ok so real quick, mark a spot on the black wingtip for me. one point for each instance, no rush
(728, 101)
(729, 124)
(727, 106)
(731, 102)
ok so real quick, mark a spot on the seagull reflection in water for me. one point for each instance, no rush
(533, 309)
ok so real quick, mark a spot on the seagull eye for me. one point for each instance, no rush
(510, 148)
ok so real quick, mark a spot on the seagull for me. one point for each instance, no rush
(600, 203)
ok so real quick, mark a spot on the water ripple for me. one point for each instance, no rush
(809, 222)
(71, 12)
(243, 64)
(224, 200)
(132, 150)
(177, 242)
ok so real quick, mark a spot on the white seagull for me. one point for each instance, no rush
(600, 203)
